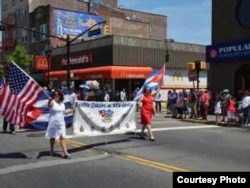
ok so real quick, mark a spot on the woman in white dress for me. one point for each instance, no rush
(56, 128)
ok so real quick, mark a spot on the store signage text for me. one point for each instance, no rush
(78, 60)
(230, 51)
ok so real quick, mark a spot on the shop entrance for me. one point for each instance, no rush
(242, 79)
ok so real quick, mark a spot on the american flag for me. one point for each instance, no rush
(20, 93)
(1, 86)
(154, 81)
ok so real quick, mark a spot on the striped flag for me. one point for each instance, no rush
(20, 93)
(2, 82)
(2, 86)
(154, 81)
(38, 115)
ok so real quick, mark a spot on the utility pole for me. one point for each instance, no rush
(68, 60)
(67, 40)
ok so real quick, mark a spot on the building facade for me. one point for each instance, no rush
(229, 54)
(122, 57)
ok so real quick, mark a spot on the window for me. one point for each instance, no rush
(43, 29)
(24, 37)
(13, 2)
(14, 35)
(5, 7)
(23, 13)
(33, 36)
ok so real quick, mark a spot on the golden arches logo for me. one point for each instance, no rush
(177, 76)
(41, 63)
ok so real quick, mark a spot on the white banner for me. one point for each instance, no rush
(99, 118)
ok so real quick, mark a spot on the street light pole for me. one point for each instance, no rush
(48, 51)
(68, 60)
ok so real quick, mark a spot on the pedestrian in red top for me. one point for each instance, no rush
(231, 109)
(204, 104)
(147, 112)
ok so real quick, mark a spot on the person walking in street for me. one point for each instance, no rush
(158, 102)
(56, 128)
(11, 127)
(147, 112)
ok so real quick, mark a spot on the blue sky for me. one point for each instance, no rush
(187, 20)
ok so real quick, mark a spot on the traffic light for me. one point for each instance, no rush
(197, 65)
(202, 65)
(191, 66)
(106, 29)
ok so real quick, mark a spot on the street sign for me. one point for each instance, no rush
(94, 32)
(2, 27)
(192, 75)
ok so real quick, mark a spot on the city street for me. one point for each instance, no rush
(123, 160)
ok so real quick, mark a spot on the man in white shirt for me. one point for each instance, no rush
(72, 97)
(123, 95)
(106, 96)
(245, 105)
(158, 102)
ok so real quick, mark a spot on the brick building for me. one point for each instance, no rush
(136, 41)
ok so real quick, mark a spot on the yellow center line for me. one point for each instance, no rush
(155, 164)
(75, 143)
(145, 162)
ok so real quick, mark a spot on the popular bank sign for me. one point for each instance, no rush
(227, 52)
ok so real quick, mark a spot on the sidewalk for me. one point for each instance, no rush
(211, 120)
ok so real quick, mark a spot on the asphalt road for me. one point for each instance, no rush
(123, 160)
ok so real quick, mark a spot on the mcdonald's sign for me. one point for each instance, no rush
(177, 76)
(41, 62)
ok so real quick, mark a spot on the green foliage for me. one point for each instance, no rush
(1, 71)
(21, 57)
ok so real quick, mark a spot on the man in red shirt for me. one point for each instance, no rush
(204, 104)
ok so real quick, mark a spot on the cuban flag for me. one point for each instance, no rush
(38, 116)
(154, 81)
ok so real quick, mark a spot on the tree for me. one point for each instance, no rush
(1, 71)
(21, 57)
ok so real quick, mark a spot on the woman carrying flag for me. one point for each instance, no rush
(147, 112)
(57, 128)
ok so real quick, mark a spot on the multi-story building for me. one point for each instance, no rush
(131, 43)
(229, 53)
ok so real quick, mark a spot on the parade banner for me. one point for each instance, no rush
(100, 118)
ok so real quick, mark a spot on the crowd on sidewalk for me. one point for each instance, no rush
(222, 105)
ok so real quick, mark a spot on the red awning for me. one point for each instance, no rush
(107, 72)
